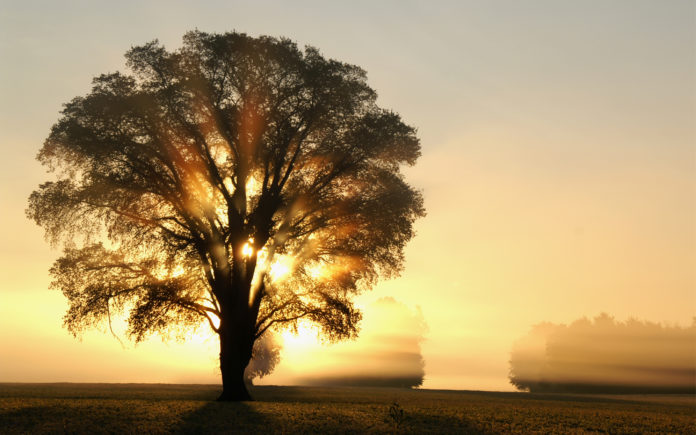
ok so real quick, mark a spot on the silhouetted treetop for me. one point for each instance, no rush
(240, 179)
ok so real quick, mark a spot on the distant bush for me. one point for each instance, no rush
(386, 354)
(396, 414)
(265, 356)
(606, 356)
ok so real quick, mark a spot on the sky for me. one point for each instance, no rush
(558, 168)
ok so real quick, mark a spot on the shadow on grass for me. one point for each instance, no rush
(32, 420)
(219, 418)
(185, 410)
(67, 420)
(123, 417)
(225, 417)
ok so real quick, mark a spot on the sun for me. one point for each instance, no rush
(247, 250)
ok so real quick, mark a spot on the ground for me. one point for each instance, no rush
(162, 408)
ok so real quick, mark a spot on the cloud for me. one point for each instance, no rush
(603, 355)
(387, 352)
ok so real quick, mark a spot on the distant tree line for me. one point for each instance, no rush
(606, 356)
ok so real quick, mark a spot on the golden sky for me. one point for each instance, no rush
(558, 167)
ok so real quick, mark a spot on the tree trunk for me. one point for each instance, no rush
(234, 357)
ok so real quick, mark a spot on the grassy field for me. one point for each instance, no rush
(153, 408)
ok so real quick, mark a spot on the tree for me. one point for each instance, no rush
(265, 356)
(237, 180)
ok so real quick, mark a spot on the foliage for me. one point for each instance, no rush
(237, 179)
(265, 357)
(396, 414)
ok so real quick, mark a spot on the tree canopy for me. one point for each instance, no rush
(237, 179)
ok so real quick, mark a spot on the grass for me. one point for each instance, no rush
(161, 408)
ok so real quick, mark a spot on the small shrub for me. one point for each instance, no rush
(396, 414)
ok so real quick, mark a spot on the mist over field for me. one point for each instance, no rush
(605, 355)
(386, 354)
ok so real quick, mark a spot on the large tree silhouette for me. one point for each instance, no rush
(239, 180)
